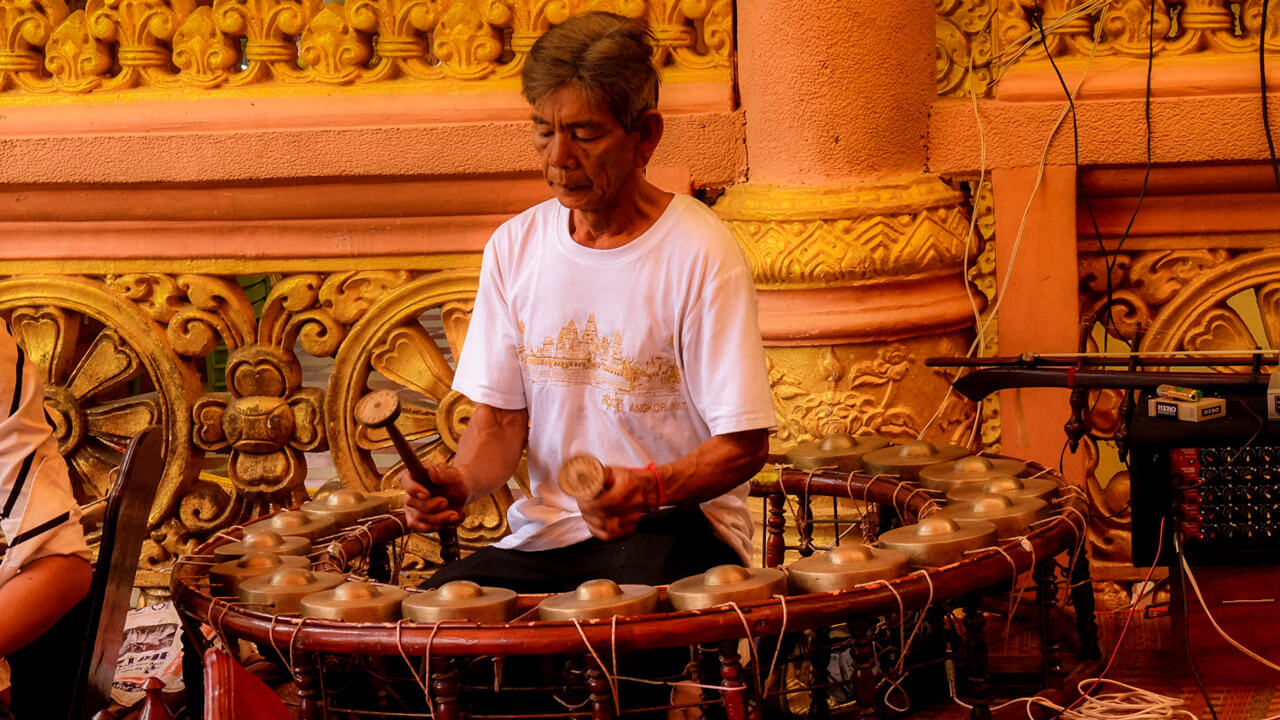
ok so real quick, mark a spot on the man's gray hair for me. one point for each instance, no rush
(607, 56)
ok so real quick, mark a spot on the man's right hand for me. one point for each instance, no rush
(425, 512)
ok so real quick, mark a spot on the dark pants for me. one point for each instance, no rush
(664, 548)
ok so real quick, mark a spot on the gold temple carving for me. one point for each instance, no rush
(177, 45)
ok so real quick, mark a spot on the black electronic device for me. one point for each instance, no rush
(1218, 482)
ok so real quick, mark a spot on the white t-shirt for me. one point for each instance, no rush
(38, 514)
(636, 355)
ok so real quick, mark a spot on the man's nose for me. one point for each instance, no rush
(561, 150)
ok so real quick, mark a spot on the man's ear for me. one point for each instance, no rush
(649, 127)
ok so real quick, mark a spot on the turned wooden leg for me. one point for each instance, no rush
(602, 706)
(975, 672)
(446, 689)
(1046, 592)
(775, 527)
(866, 672)
(306, 673)
(708, 673)
(818, 659)
(735, 694)
(1082, 602)
(805, 524)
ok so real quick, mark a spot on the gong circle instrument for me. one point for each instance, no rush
(334, 613)
(344, 507)
(841, 451)
(225, 577)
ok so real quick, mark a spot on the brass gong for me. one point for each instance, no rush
(906, 460)
(284, 589)
(845, 566)
(938, 540)
(346, 507)
(295, 522)
(596, 599)
(842, 450)
(726, 583)
(461, 600)
(226, 576)
(263, 541)
(1011, 487)
(355, 602)
(972, 470)
(1011, 517)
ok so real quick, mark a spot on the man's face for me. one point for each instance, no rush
(586, 154)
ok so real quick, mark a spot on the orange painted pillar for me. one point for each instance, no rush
(856, 251)
(1040, 309)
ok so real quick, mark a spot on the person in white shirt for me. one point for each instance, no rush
(615, 319)
(45, 571)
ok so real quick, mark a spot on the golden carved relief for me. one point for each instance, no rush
(830, 236)
(884, 390)
(122, 352)
(119, 44)
(982, 279)
(991, 35)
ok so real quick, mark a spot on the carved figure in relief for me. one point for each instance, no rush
(616, 319)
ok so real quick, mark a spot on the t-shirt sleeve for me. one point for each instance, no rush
(489, 366)
(724, 356)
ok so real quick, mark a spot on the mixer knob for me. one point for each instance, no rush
(1208, 456)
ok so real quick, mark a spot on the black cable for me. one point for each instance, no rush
(1262, 74)
(1186, 632)
(1037, 18)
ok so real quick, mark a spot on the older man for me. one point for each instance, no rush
(616, 319)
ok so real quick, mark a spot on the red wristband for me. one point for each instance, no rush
(657, 481)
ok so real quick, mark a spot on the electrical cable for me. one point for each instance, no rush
(1186, 635)
(1262, 75)
(1186, 569)
(1035, 188)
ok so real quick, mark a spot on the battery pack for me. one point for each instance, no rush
(1187, 410)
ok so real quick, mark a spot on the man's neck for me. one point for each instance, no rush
(624, 221)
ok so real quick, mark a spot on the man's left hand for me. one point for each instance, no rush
(628, 496)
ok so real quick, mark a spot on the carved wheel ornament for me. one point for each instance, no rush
(392, 342)
(108, 374)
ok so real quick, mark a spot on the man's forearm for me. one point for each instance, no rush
(718, 465)
(36, 597)
(490, 448)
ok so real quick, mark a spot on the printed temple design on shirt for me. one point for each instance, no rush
(588, 358)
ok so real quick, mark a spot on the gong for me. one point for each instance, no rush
(225, 577)
(355, 602)
(972, 470)
(906, 460)
(263, 541)
(461, 600)
(595, 599)
(1009, 486)
(726, 583)
(845, 566)
(938, 540)
(1011, 517)
(841, 450)
(346, 507)
(284, 589)
(295, 522)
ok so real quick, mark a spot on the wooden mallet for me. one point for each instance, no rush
(581, 477)
(379, 410)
